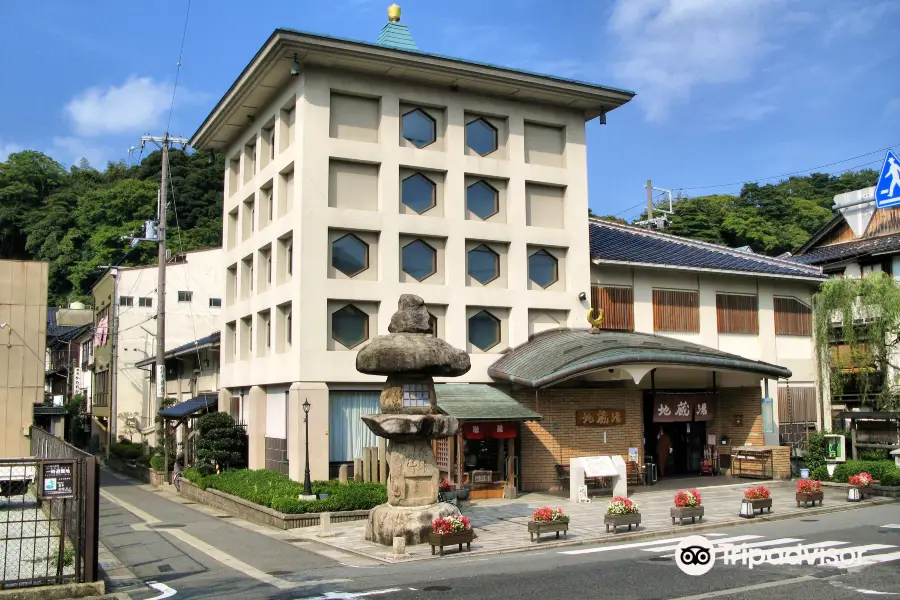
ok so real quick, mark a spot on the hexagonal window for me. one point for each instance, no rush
(418, 192)
(483, 264)
(349, 326)
(481, 137)
(484, 330)
(543, 268)
(349, 255)
(419, 260)
(419, 129)
(482, 200)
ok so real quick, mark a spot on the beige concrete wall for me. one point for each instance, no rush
(23, 310)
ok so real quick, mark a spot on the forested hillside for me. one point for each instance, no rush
(772, 218)
(75, 219)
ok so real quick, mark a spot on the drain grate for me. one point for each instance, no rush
(168, 525)
(437, 588)
(809, 520)
(294, 540)
(225, 516)
(165, 568)
(279, 573)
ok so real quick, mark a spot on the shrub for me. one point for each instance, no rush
(759, 492)
(686, 498)
(877, 469)
(158, 462)
(195, 477)
(891, 477)
(873, 454)
(815, 451)
(144, 460)
(219, 443)
(279, 492)
(808, 486)
(821, 473)
(126, 450)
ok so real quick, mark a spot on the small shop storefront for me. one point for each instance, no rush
(484, 455)
(685, 407)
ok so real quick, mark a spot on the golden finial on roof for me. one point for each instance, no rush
(595, 322)
(394, 13)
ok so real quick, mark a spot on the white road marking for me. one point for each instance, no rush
(748, 588)
(737, 538)
(211, 551)
(891, 526)
(350, 595)
(879, 558)
(167, 592)
(844, 586)
(143, 516)
(763, 544)
(632, 545)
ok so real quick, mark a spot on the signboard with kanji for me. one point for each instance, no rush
(668, 409)
(599, 418)
(58, 479)
(482, 476)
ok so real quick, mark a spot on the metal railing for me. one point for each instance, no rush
(46, 539)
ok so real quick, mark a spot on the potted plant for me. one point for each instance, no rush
(809, 490)
(688, 505)
(861, 483)
(759, 498)
(462, 492)
(447, 492)
(449, 531)
(620, 512)
(546, 519)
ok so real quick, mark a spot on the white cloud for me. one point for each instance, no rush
(669, 47)
(70, 150)
(7, 148)
(133, 107)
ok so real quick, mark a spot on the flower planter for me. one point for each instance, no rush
(686, 512)
(760, 504)
(621, 520)
(810, 497)
(437, 540)
(462, 494)
(536, 528)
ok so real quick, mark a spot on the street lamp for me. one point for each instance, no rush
(307, 484)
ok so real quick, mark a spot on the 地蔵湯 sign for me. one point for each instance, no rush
(599, 418)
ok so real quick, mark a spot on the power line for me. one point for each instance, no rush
(706, 187)
(178, 68)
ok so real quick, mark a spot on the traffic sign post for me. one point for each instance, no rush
(887, 190)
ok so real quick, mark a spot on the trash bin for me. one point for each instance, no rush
(649, 473)
(804, 473)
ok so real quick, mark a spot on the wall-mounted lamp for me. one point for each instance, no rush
(602, 116)
(295, 67)
(582, 296)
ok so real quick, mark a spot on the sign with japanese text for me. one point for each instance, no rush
(600, 418)
(703, 409)
(482, 476)
(672, 408)
(58, 479)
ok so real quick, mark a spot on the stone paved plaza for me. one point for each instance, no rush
(501, 525)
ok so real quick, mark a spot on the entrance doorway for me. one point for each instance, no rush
(685, 440)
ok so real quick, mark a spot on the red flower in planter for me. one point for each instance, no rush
(451, 524)
(861, 480)
(809, 486)
(686, 498)
(445, 485)
(759, 492)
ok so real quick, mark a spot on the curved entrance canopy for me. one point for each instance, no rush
(559, 354)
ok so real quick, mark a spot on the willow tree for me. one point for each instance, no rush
(857, 333)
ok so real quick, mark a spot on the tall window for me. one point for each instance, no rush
(737, 313)
(792, 317)
(617, 304)
(676, 310)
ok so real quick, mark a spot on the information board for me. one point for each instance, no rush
(599, 466)
(58, 479)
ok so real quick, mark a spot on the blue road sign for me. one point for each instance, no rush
(887, 190)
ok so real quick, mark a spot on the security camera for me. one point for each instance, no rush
(582, 296)
(295, 67)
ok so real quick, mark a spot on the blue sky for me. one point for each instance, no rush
(728, 90)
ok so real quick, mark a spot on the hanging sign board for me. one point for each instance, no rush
(671, 408)
(58, 480)
(703, 409)
(482, 476)
(599, 418)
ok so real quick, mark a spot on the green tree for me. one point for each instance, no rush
(220, 442)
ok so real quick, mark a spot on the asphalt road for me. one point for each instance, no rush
(200, 556)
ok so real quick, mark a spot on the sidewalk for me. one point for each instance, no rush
(501, 525)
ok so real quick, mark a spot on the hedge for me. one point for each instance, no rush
(883, 470)
(820, 473)
(126, 450)
(280, 492)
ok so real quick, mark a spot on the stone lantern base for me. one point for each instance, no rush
(412, 523)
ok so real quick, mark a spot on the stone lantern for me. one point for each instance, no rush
(410, 357)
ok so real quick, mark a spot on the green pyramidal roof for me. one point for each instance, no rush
(395, 35)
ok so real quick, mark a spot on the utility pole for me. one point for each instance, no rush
(163, 143)
(649, 203)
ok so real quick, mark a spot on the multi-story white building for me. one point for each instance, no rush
(358, 172)
(126, 298)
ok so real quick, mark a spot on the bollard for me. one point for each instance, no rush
(357, 469)
(325, 523)
(342, 474)
(399, 548)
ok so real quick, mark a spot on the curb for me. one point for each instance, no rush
(625, 537)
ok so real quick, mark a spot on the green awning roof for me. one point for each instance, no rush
(559, 354)
(481, 402)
